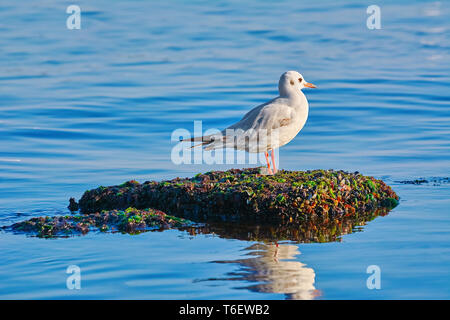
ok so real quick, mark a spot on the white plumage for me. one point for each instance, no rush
(267, 126)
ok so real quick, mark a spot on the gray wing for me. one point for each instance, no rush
(271, 115)
(268, 116)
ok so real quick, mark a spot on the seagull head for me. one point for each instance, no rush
(291, 82)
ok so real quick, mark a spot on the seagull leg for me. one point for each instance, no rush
(273, 162)
(268, 163)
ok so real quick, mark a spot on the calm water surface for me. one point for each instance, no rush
(97, 106)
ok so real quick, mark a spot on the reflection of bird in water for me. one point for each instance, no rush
(277, 271)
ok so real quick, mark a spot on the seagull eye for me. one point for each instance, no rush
(300, 79)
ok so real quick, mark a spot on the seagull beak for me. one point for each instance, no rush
(309, 85)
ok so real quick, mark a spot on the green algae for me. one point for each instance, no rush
(298, 196)
(301, 206)
(308, 232)
(130, 221)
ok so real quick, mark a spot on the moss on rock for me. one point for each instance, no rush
(302, 206)
(310, 231)
(130, 221)
(316, 196)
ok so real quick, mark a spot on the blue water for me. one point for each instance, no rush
(97, 106)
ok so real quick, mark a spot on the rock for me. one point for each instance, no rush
(436, 181)
(302, 206)
(299, 197)
(73, 205)
(129, 221)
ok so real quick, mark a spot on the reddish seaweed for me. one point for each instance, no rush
(317, 196)
(302, 206)
(129, 221)
(331, 230)
(133, 221)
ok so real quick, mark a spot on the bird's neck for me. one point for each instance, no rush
(296, 98)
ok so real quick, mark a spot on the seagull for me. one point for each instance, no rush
(267, 126)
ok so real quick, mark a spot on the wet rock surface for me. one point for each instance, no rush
(300, 206)
(126, 221)
(316, 196)
(436, 181)
(307, 232)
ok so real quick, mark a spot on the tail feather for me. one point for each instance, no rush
(205, 140)
(200, 144)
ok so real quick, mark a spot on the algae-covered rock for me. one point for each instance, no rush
(317, 196)
(134, 221)
(129, 221)
(436, 181)
(326, 230)
(301, 206)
